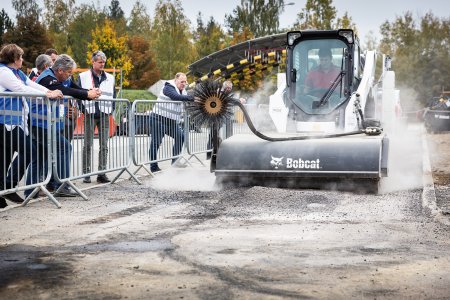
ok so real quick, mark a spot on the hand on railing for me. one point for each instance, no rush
(94, 93)
(56, 94)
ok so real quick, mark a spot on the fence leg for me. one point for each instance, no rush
(49, 195)
(128, 171)
(196, 157)
(134, 177)
(79, 192)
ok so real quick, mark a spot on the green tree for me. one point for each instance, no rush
(27, 9)
(261, 17)
(104, 38)
(79, 31)
(58, 26)
(31, 36)
(171, 38)
(139, 23)
(144, 72)
(346, 22)
(419, 51)
(208, 39)
(370, 41)
(317, 14)
(5, 24)
(116, 14)
(29, 33)
(115, 11)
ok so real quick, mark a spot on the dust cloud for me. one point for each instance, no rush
(186, 179)
(405, 150)
(405, 159)
(257, 106)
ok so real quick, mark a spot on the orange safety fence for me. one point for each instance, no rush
(79, 129)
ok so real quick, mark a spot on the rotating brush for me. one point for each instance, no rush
(212, 105)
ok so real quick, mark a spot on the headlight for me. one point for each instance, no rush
(292, 36)
(348, 34)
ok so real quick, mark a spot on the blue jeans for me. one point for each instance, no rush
(38, 166)
(10, 142)
(160, 126)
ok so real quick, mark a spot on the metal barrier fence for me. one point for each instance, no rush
(80, 129)
(53, 143)
(20, 152)
(67, 141)
(157, 133)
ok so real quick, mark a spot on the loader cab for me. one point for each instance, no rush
(320, 73)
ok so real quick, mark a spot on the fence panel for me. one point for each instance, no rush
(156, 132)
(89, 143)
(25, 153)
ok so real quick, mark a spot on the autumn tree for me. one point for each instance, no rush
(85, 20)
(208, 39)
(171, 38)
(144, 72)
(5, 24)
(261, 17)
(242, 36)
(104, 38)
(139, 23)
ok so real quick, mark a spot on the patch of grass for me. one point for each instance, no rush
(137, 94)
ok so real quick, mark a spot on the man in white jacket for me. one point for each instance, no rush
(96, 114)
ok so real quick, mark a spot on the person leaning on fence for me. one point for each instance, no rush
(57, 77)
(165, 118)
(96, 114)
(14, 119)
(53, 54)
(43, 61)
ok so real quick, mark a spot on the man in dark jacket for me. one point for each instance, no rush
(165, 118)
(58, 77)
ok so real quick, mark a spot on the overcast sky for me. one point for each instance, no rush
(367, 15)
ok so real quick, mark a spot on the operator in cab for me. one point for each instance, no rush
(321, 77)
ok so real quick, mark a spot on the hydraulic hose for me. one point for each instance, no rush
(212, 105)
(368, 130)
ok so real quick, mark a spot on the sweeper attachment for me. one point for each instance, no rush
(327, 119)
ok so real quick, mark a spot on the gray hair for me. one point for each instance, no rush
(98, 54)
(43, 61)
(64, 62)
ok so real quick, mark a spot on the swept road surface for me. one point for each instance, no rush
(179, 237)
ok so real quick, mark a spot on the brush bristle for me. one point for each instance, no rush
(212, 104)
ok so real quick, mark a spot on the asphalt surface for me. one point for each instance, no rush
(179, 236)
